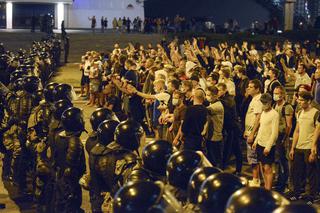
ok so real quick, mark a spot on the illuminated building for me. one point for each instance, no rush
(75, 13)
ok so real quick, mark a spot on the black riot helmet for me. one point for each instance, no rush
(59, 107)
(181, 166)
(99, 115)
(155, 156)
(105, 131)
(72, 120)
(139, 174)
(254, 199)
(15, 75)
(296, 208)
(146, 197)
(48, 92)
(196, 180)
(62, 91)
(216, 190)
(128, 134)
(31, 84)
(17, 85)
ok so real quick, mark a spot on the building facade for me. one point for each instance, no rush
(308, 9)
(75, 13)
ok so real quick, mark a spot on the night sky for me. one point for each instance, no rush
(245, 11)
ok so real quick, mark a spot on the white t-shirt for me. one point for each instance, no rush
(307, 125)
(231, 87)
(255, 107)
(163, 98)
(216, 113)
(304, 79)
(268, 130)
(87, 66)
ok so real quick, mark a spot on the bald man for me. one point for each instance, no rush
(194, 122)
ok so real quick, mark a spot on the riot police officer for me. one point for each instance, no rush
(216, 190)
(254, 199)
(55, 126)
(18, 74)
(97, 117)
(180, 168)
(155, 156)
(105, 135)
(148, 197)
(63, 91)
(42, 114)
(20, 107)
(38, 144)
(45, 149)
(69, 162)
(196, 180)
(115, 162)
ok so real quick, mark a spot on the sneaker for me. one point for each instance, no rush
(308, 199)
(291, 196)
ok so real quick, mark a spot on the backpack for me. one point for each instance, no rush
(283, 109)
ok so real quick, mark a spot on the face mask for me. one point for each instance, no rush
(175, 102)
(276, 97)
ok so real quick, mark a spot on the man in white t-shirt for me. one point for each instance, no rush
(266, 138)
(251, 127)
(304, 148)
(301, 77)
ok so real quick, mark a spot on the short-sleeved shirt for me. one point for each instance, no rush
(216, 113)
(255, 107)
(194, 120)
(283, 112)
(305, 79)
(163, 98)
(307, 120)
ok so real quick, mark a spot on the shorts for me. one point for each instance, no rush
(251, 155)
(85, 80)
(269, 159)
(95, 85)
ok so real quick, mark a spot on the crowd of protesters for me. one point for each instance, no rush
(218, 98)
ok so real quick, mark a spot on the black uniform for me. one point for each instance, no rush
(69, 166)
(69, 162)
(19, 110)
(109, 168)
(112, 163)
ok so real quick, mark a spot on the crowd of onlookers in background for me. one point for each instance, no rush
(179, 23)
